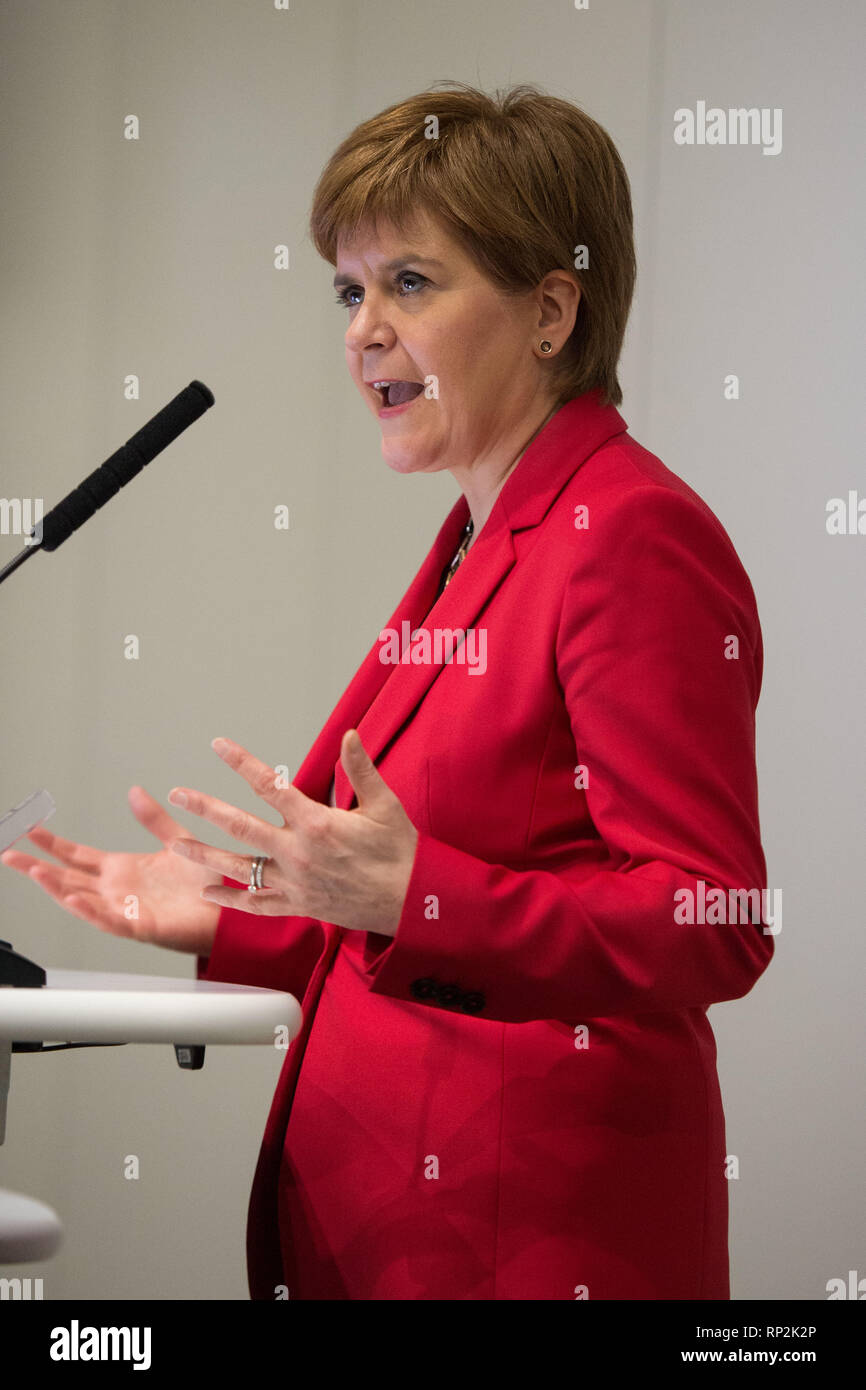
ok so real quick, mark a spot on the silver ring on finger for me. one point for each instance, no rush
(256, 868)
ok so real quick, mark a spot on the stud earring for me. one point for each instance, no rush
(545, 346)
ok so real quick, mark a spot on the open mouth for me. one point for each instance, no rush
(398, 392)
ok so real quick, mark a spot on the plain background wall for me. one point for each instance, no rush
(155, 257)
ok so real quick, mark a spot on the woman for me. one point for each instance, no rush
(505, 1084)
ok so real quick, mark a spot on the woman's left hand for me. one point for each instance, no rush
(351, 868)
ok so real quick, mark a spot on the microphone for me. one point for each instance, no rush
(80, 504)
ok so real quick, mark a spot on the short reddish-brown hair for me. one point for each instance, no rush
(520, 179)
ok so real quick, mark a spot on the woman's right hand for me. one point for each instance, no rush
(160, 891)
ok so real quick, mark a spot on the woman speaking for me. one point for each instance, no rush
(490, 885)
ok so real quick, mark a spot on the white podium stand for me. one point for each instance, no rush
(29, 1230)
(89, 1006)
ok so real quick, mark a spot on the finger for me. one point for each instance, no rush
(153, 816)
(262, 778)
(55, 881)
(60, 881)
(370, 788)
(265, 902)
(251, 830)
(85, 857)
(31, 868)
(16, 859)
(91, 908)
(223, 861)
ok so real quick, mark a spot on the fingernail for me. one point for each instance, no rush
(219, 745)
(177, 798)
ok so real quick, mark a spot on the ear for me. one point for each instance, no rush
(558, 297)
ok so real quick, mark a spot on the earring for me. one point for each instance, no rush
(545, 346)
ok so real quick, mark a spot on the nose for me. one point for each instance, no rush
(369, 327)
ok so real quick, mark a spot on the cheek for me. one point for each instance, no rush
(479, 359)
(459, 354)
(459, 371)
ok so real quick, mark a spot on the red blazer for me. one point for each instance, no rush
(516, 1096)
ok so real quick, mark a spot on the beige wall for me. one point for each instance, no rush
(155, 258)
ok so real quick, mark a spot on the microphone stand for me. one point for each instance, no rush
(80, 504)
(54, 529)
(19, 559)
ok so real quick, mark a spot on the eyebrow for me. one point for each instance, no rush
(398, 261)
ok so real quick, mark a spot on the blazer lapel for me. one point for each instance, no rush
(314, 775)
(487, 563)
(383, 695)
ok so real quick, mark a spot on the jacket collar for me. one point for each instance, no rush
(383, 697)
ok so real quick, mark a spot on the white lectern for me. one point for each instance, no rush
(86, 1006)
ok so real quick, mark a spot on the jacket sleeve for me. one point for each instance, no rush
(659, 656)
(271, 952)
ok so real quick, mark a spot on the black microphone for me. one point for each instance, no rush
(80, 504)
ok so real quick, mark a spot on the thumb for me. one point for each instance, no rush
(153, 816)
(369, 786)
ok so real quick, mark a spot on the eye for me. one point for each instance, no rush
(411, 275)
(344, 300)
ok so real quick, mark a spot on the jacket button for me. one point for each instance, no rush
(448, 995)
(424, 989)
(473, 1003)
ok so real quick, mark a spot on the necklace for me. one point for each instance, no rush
(460, 553)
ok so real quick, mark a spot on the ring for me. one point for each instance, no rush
(256, 868)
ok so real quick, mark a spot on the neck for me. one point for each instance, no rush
(482, 483)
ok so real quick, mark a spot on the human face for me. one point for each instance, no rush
(421, 311)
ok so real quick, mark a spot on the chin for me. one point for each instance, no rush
(408, 460)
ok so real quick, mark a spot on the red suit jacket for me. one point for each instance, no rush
(516, 1096)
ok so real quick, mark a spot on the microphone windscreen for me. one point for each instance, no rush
(80, 504)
